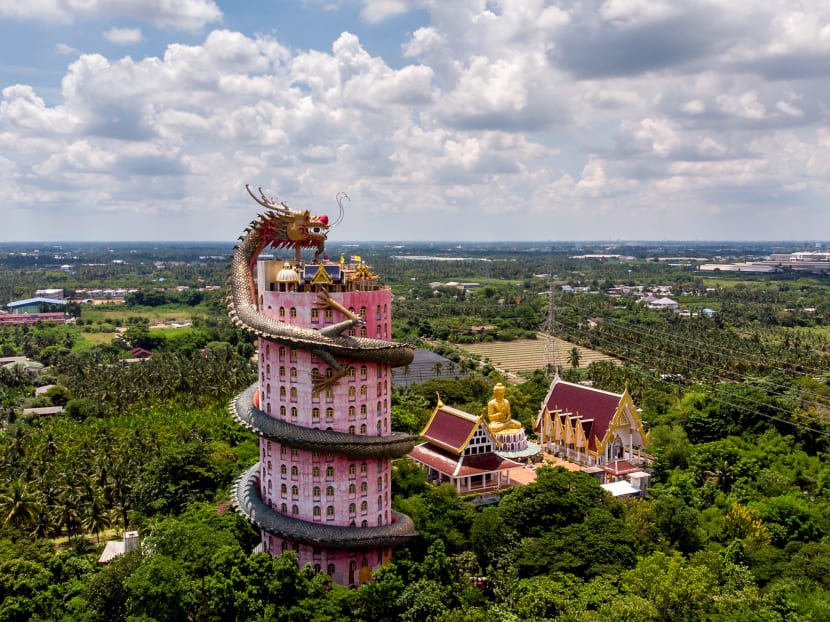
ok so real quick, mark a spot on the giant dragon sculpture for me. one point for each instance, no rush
(282, 227)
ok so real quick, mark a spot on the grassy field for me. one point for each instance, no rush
(529, 354)
(87, 340)
(109, 313)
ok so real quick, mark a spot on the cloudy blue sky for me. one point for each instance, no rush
(462, 120)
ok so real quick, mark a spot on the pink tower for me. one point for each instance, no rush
(322, 486)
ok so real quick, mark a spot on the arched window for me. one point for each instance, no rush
(362, 467)
(295, 509)
(283, 470)
(295, 472)
(293, 373)
(364, 507)
(316, 491)
(268, 369)
(351, 429)
(283, 490)
(351, 489)
(363, 428)
(315, 472)
(363, 486)
(282, 412)
(293, 312)
(380, 502)
(282, 371)
(316, 513)
(295, 491)
(362, 371)
(329, 471)
(351, 410)
(329, 413)
(329, 491)
(293, 393)
(352, 469)
(363, 410)
(330, 510)
(315, 413)
(363, 523)
(380, 484)
(330, 568)
(362, 331)
(282, 392)
(351, 508)
(284, 508)
(282, 349)
(282, 311)
(380, 520)
(352, 392)
(363, 390)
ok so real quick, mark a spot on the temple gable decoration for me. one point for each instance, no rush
(591, 426)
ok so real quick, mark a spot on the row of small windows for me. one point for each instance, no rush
(315, 471)
(317, 511)
(292, 311)
(315, 492)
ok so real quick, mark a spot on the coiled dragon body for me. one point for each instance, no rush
(281, 227)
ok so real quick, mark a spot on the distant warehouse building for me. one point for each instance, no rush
(33, 310)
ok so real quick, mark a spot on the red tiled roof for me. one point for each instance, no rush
(448, 464)
(485, 463)
(619, 467)
(450, 428)
(591, 404)
(435, 457)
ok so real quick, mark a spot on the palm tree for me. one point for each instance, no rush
(97, 517)
(573, 357)
(18, 506)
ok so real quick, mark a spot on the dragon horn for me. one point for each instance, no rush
(265, 201)
(339, 198)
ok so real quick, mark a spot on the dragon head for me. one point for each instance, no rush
(282, 227)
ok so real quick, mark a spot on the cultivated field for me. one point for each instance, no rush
(529, 354)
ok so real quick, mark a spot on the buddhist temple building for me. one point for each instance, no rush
(321, 405)
(461, 449)
(592, 427)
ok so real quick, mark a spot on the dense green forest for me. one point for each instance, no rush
(735, 528)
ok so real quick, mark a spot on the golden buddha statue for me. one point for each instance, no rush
(498, 413)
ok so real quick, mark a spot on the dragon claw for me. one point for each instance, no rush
(320, 382)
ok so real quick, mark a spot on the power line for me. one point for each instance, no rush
(722, 401)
